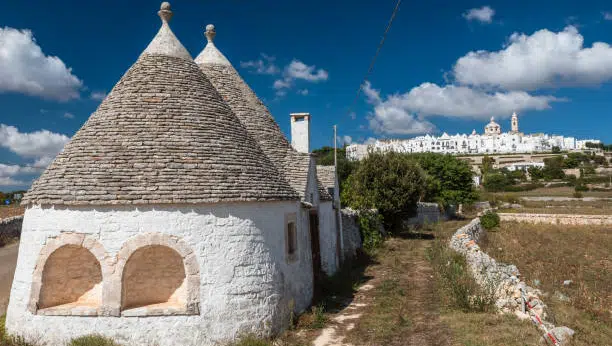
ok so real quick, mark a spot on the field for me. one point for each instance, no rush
(563, 191)
(8, 211)
(548, 255)
(600, 207)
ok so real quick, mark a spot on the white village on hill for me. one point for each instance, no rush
(179, 214)
(493, 141)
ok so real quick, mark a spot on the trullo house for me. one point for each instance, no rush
(291, 159)
(168, 219)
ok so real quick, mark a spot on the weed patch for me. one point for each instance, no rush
(458, 288)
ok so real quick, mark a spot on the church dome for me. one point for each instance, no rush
(163, 135)
(492, 128)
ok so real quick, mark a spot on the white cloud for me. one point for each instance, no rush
(389, 116)
(346, 140)
(97, 95)
(607, 15)
(407, 113)
(42, 145)
(263, 65)
(460, 101)
(281, 84)
(24, 68)
(297, 70)
(68, 115)
(544, 59)
(303, 92)
(9, 172)
(484, 14)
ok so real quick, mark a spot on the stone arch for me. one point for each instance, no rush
(68, 276)
(158, 274)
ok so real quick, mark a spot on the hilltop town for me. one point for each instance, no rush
(492, 141)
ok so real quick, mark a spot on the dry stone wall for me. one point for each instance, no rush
(10, 228)
(350, 233)
(504, 280)
(557, 219)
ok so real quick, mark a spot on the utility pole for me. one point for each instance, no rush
(335, 150)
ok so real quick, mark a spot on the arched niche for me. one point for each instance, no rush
(159, 275)
(68, 277)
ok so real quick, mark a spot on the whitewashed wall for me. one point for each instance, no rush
(328, 238)
(246, 284)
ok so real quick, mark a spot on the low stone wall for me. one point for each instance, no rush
(504, 280)
(351, 236)
(10, 228)
(557, 219)
(427, 213)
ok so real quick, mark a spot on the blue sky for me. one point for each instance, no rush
(552, 64)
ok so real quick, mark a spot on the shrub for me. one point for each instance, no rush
(495, 182)
(489, 220)
(449, 179)
(369, 227)
(580, 187)
(390, 182)
(92, 340)
(577, 194)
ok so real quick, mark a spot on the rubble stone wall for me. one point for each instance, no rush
(503, 279)
(557, 219)
(10, 228)
(427, 213)
(350, 233)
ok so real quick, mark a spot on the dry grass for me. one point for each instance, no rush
(552, 254)
(9, 211)
(468, 325)
(564, 191)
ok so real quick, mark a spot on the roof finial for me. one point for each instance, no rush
(210, 32)
(165, 13)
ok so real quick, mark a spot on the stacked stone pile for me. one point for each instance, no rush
(503, 280)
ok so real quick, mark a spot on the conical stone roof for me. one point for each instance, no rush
(256, 117)
(162, 135)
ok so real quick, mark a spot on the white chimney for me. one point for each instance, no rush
(300, 132)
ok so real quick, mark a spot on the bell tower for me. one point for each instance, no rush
(515, 128)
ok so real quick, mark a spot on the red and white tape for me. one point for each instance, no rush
(537, 320)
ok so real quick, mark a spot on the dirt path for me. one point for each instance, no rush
(8, 261)
(397, 306)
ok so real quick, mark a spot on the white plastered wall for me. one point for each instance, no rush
(328, 237)
(246, 283)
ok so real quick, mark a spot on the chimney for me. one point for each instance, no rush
(300, 132)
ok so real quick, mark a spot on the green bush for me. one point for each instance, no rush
(369, 227)
(392, 183)
(577, 194)
(489, 220)
(580, 187)
(495, 182)
(92, 340)
(449, 179)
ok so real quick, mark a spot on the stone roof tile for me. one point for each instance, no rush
(162, 135)
(255, 116)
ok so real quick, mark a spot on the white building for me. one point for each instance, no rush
(169, 219)
(494, 141)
